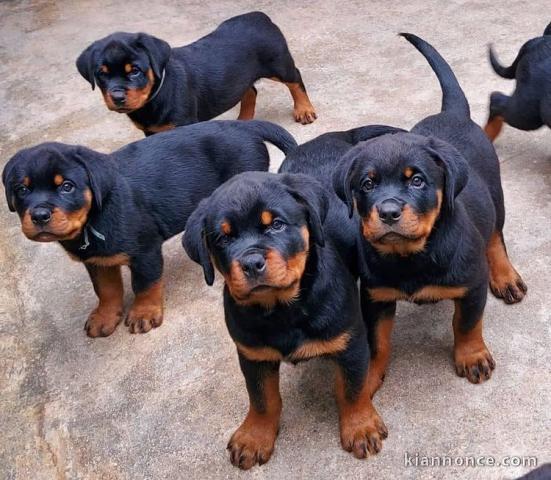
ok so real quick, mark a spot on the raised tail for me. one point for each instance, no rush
(453, 98)
(505, 72)
(273, 133)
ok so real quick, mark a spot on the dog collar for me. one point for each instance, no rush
(93, 231)
(159, 87)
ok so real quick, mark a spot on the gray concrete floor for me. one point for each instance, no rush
(163, 405)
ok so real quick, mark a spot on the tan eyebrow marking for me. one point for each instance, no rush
(266, 217)
(26, 181)
(104, 69)
(58, 179)
(408, 172)
(226, 227)
(128, 67)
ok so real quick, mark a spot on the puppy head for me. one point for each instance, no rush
(257, 229)
(126, 67)
(400, 184)
(53, 187)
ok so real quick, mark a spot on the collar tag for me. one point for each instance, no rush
(86, 240)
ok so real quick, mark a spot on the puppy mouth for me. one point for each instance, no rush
(397, 237)
(45, 237)
(263, 288)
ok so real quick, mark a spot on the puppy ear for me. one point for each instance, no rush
(87, 64)
(157, 50)
(7, 181)
(310, 193)
(194, 241)
(100, 173)
(456, 169)
(342, 179)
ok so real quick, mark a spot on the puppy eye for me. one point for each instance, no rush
(368, 185)
(417, 181)
(134, 72)
(21, 190)
(223, 241)
(277, 225)
(66, 187)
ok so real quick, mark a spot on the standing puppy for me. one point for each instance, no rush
(112, 210)
(161, 87)
(432, 215)
(529, 107)
(284, 246)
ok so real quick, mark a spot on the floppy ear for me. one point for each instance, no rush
(87, 63)
(342, 179)
(157, 50)
(456, 169)
(6, 174)
(310, 193)
(194, 241)
(100, 173)
(547, 30)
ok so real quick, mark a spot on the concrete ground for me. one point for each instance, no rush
(163, 405)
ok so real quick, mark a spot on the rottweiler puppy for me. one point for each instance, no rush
(432, 214)
(109, 210)
(283, 244)
(529, 107)
(161, 87)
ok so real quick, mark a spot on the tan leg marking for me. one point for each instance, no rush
(147, 311)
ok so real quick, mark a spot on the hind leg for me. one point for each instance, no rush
(303, 110)
(505, 282)
(248, 104)
(521, 110)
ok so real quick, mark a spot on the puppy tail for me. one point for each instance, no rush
(453, 98)
(505, 72)
(276, 135)
(547, 30)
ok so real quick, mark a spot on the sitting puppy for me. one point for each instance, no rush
(284, 246)
(432, 214)
(161, 88)
(529, 107)
(117, 209)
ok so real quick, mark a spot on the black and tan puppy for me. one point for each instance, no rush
(284, 245)
(432, 215)
(117, 209)
(529, 107)
(161, 87)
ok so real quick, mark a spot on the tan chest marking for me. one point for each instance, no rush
(429, 293)
(112, 261)
(309, 349)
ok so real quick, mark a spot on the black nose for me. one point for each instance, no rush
(118, 96)
(41, 216)
(253, 264)
(390, 211)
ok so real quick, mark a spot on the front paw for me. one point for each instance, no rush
(252, 443)
(142, 318)
(362, 433)
(509, 287)
(476, 366)
(304, 113)
(102, 323)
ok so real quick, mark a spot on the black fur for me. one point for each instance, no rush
(199, 81)
(529, 107)
(143, 193)
(395, 179)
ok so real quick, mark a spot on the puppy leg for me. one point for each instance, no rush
(248, 104)
(303, 110)
(362, 429)
(472, 358)
(253, 442)
(505, 282)
(147, 310)
(107, 282)
(379, 320)
(493, 127)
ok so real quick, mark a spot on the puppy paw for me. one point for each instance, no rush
(142, 318)
(252, 444)
(304, 113)
(102, 323)
(363, 435)
(476, 366)
(510, 287)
